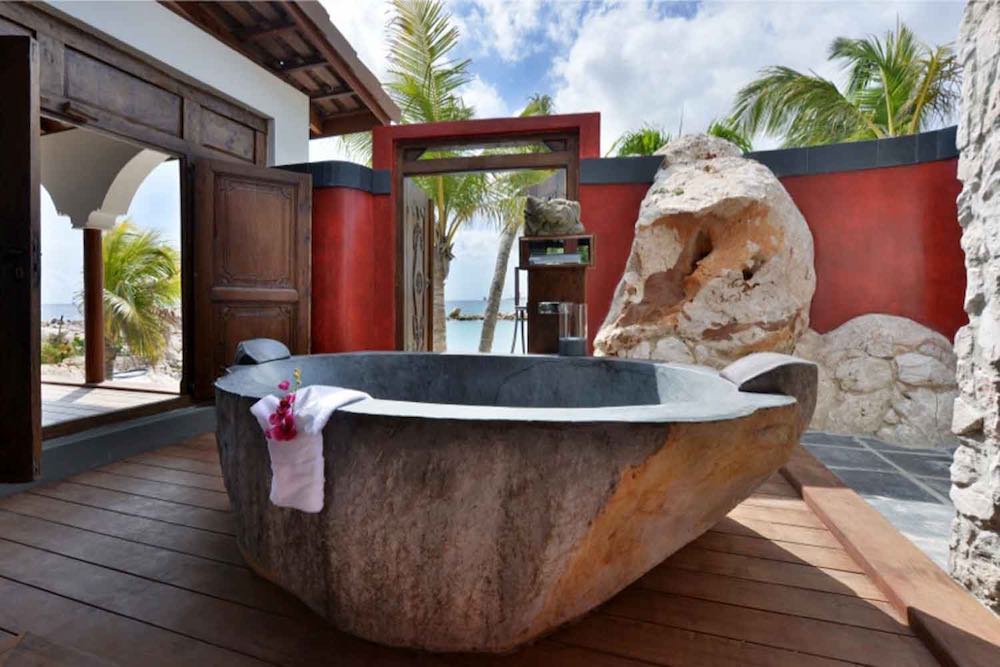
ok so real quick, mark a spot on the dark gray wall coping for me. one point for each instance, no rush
(852, 156)
(340, 174)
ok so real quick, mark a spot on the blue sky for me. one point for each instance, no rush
(635, 61)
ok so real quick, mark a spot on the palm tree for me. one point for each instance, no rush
(726, 129)
(895, 85)
(644, 141)
(142, 284)
(506, 206)
(648, 139)
(425, 81)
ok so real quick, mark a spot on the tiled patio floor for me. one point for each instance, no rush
(908, 486)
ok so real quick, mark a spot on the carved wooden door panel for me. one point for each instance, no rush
(20, 391)
(418, 238)
(252, 262)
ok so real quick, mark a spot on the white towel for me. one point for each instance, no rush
(297, 465)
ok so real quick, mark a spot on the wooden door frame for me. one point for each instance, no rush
(19, 257)
(201, 107)
(564, 154)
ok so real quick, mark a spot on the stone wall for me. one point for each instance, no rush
(975, 473)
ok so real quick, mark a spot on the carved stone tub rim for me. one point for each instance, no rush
(728, 403)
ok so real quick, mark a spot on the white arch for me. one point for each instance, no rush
(93, 178)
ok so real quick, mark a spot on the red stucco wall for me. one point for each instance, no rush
(608, 212)
(353, 260)
(887, 241)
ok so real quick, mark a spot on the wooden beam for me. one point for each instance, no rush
(361, 120)
(93, 306)
(254, 34)
(300, 67)
(20, 337)
(557, 160)
(315, 122)
(315, 37)
(332, 95)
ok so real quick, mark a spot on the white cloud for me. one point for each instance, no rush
(485, 99)
(503, 26)
(636, 65)
(362, 23)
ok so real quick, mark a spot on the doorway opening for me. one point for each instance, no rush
(462, 203)
(111, 317)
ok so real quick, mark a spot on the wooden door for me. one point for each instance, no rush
(252, 262)
(415, 286)
(20, 384)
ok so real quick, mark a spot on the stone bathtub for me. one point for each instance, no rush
(476, 503)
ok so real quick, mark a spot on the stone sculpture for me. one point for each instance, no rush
(551, 217)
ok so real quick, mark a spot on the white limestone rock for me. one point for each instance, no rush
(975, 491)
(721, 264)
(885, 376)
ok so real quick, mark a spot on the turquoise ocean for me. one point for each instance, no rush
(463, 336)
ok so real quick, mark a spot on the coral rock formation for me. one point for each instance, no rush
(975, 473)
(721, 265)
(885, 376)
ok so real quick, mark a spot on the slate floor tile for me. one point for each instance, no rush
(848, 457)
(924, 466)
(942, 486)
(883, 484)
(879, 445)
(818, 438)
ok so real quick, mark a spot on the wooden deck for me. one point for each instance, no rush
(136, 563)
(62, 403)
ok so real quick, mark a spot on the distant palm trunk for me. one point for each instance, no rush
(507, 237)
(441, 265)
(110, 354)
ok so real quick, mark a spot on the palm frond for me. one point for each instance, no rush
(644, 141)
(895, 85)
(141, 285)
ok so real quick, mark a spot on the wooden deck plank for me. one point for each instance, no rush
(790, 552)
(149, 542)
(145, 531)
(776, 531)
(675, 647)
(791, 517)
(186, 495)
(207, 455)
(775, 597)
(546, 653)
(157, 474)
(150, 508)
(177, 463)
(221, 580)
(776, 485)
(32, 650)
(206, 441)
(959, 629)
(110, 636)
(805, 635)
(776, 572)
(269, 637)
